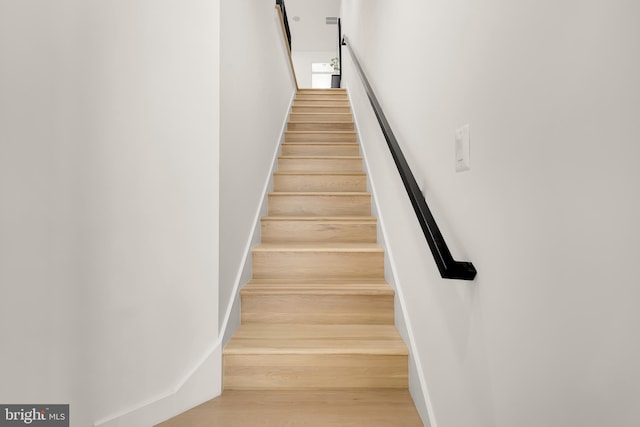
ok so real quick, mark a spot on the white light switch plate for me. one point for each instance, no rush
(462, 149)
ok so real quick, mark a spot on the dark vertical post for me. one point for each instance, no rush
(340, 48)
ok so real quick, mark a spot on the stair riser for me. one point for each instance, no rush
(320, 149)
(327, 103)
(320, 126)
(320, 136)
(278, 372)
(322, 97)
(319, 205)
(331, 183)
(318, 231)
(318, 309)
(320, 165)
(310, 117)
(318, 265)
(322, 91)
(320, 109)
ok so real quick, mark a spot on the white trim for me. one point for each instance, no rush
(214, 352)
(256, 221)
(398, 287)
(176, 400)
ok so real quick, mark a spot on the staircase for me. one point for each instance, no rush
(318, 316)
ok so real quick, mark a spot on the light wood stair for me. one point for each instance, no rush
(320, 163)
(320, 149)
(318, 312)
(296, 229)
(314, 356)
(317, 318)
(321, 117)
(316, 261)
(319, 203)
(320, 125)
(320, 136)
(322, 108)
(317, 302)
(330, 97)
(317, 181)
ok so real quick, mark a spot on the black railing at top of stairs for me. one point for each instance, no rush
(286, 21)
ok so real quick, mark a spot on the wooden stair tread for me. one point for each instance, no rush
(323, 103)
(344, 102)
(351, 132)
(286, 282)
(319, 193)
(340, 144)
(320, 114)
(317, 247)
(321, 173)
(320, 148)
(319, 203)
(321, 218)
(316, 122)
(335, 287)
(314, 125)
(322, 100)
(321, 97)
(312, 109)
(347, 116)
(321, 157)
(308, 229)
(321, 135)
(283, 338)
(325, 89)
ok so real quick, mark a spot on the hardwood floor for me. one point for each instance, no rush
(325, 408)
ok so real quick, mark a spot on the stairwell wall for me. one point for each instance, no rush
(40, 171)
(109, 150)
(548, 213)
(256, 92)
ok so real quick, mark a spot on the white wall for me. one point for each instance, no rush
(311, 32)
(256, 91)
(302, 61)
(109, 247)
(546, 335)
(40, 178)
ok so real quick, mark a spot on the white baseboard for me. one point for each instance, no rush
(203, 383)
(244, 270)
(417, 382)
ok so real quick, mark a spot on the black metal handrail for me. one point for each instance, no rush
(449, 268)
(286, 20)
(340, 47)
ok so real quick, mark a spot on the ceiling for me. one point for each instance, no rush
(311, 33)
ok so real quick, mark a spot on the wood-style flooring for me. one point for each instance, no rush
(316, 408)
